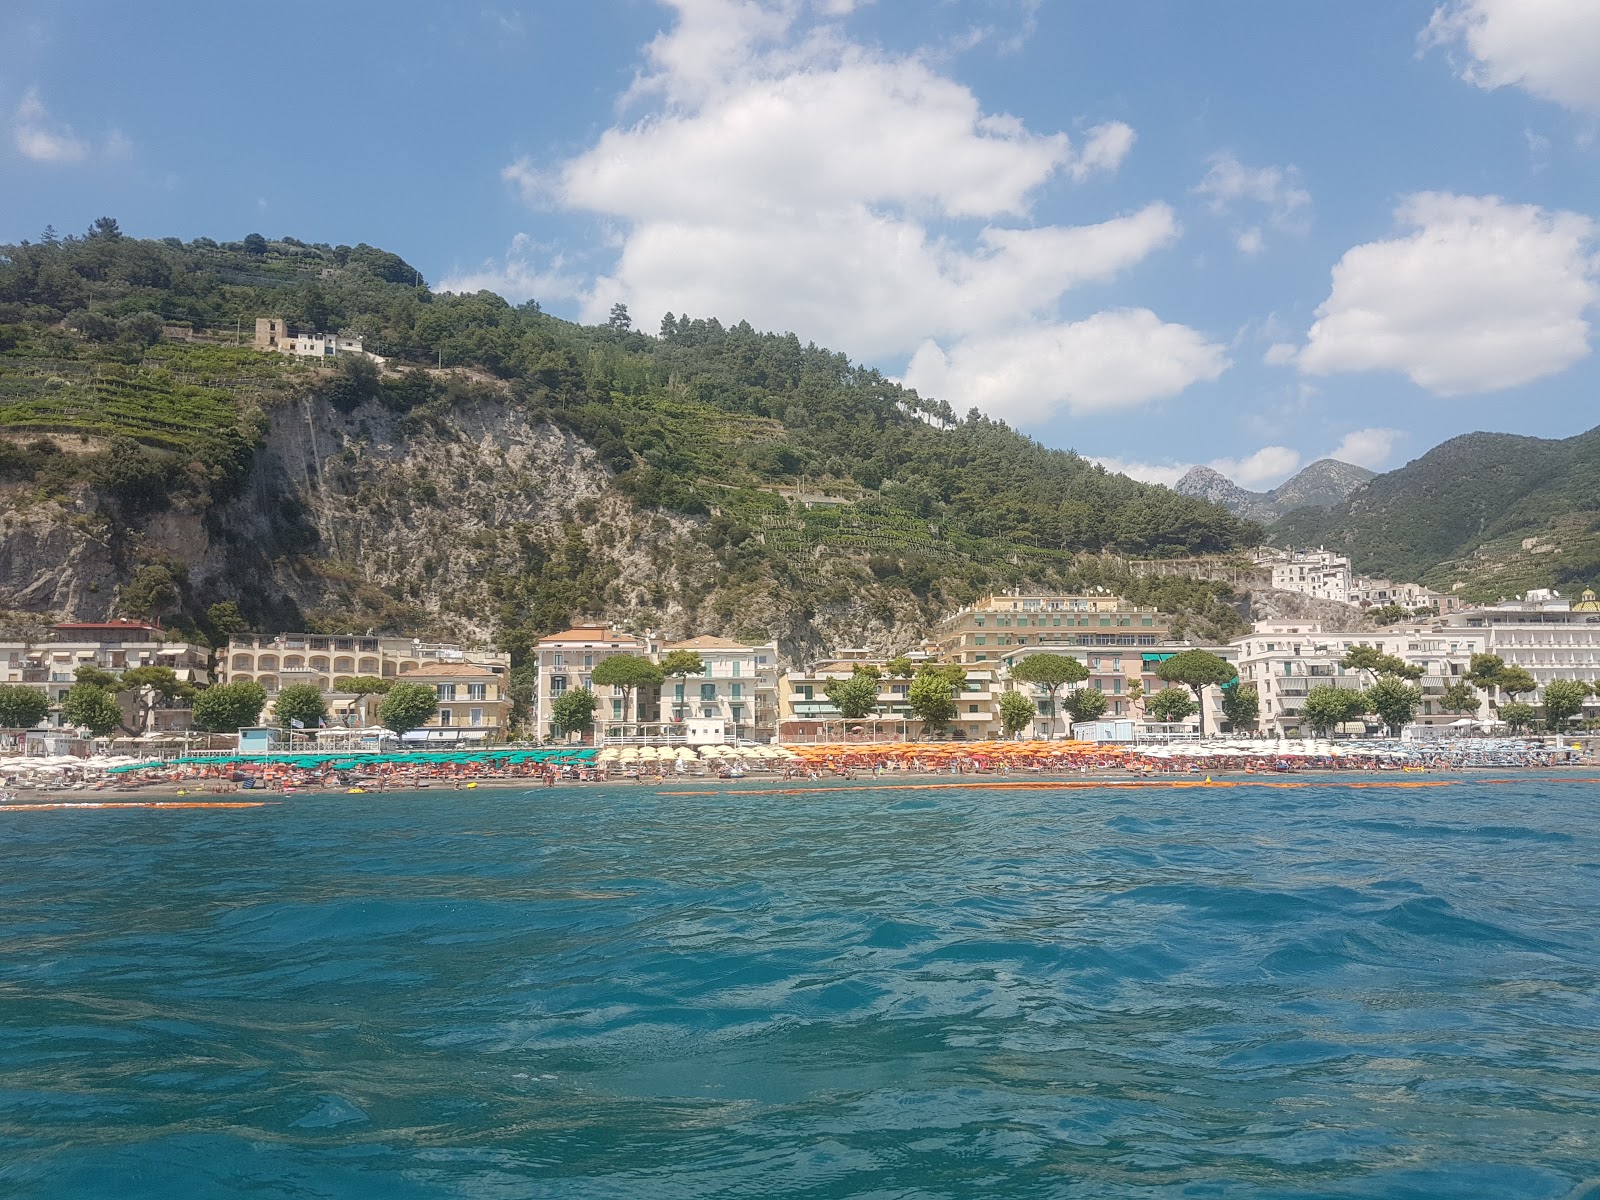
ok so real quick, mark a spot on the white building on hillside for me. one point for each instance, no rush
(1318, 573)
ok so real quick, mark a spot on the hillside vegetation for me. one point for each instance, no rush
(1461, 513)
(787, 465)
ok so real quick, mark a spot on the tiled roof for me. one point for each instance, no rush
(452, 669)
(591, 633)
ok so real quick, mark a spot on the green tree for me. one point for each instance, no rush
(150, 684)
(1016, 712)
(151, 593)
(900, 667)
(933, 694)
(22, 707)
(362, 686)
(1241, 704)
(1514, 682)
(91, 708)
(1459, 697)
(680, 664)
(224, 618)
(300, 702)
(522, 687)
(1377, 664)
(1085, 704)
(406, 706)
(229, 707)
(1050, 672)
(1394, 701)
(855, 697)
(1387, 614)
(1197, 670)
(93, 676)
(1172, 704)
(1327, 707)
(1483, 669)
(628, 672)
(573, 710)
(1563, 700)
(1518, 716)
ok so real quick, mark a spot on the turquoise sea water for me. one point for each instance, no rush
(867, 993)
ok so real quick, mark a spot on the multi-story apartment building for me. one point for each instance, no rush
(112, 646)
(1113, 671)
(1319, 573)
(568, 659)
(277, 660)
(1285, 660)
(807, 715)
(1547, 635)
(737, 693)
(474, 703)
(996, 626)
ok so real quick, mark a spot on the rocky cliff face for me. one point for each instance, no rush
(1203, 483)
(365, 518)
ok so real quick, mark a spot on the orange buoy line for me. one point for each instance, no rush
(138, 804)
(1038, 785)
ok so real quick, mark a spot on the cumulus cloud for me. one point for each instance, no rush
(1268, 466)
(1480, 295)
(39, 138)
(1265, 468)
(1107, 361)
(1368, 448)
(519, 275)
(1548, 48)
(786, 175)
(1229, 185)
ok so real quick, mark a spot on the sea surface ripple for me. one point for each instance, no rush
(966, 992)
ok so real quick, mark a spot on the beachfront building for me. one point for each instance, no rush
(1286, 659)
(474, 703)
(995, 627)
(277, 660)
(1114, 670)
(734, 699)
(807, 715)
(1544, 633)
(115, 646)
(1319, 573)
(568, 659)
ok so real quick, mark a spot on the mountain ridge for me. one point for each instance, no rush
(1320, 484)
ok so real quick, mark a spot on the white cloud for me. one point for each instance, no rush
(1229, 185)
(1280, 354)
(518, 276)
(1368, 448)
(42, 140)
(1546, 47)
(1269, 466)
(1107, 361)
(1266, 468)
(788, 176)
(1481, 295)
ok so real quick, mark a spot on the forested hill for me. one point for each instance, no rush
(784, 472)
(1496, 513)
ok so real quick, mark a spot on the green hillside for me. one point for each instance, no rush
(119, 369)
(1461, 514)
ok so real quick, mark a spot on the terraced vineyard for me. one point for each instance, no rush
(178, 398)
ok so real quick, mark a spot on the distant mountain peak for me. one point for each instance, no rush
(1322, 484)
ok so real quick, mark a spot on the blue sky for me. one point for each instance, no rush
(1160, 232)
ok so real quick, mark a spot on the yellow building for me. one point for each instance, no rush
(474, 703)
